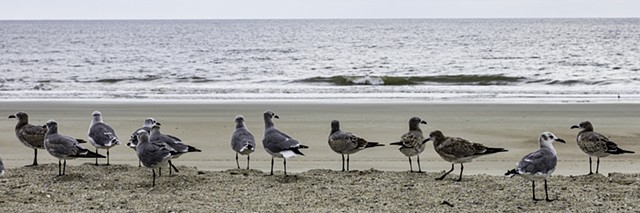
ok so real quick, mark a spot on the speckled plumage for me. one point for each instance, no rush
(347, 143)
(458, 150)
(412, 143)
(595, 144)
(30, 135)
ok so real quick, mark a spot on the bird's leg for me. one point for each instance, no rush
(35, 157)
(347, 163)
(172, 166)
(461, 169)
(248, 158)
(419, 168)
(139, 164)
(59, 167)
(343, 162)
(271, 166)
(64, 167)
(237, 163)
(545, 191)
(107, 157)
(533, 189)
(445, 174)
(410, 165)
(597, 165)
(590, 172)
(285, 166)
(96, 157)
(154, 176)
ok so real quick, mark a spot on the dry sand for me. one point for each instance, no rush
(208, 126)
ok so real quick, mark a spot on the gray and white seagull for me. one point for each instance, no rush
(30, 135)
(152, 155)
(242, 141)
(412, 143)
(101, 135)
(146, 126)
(347, 143)
(540, 164)
(596, 144)
(64, 147)
(277, 143)
(174, 142)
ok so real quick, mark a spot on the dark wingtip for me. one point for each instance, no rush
(81, 141)
(297, 151)
(193, 149)
(396, 143)
(303, 147)
(511, 173)
(91, 154)
(373, 144)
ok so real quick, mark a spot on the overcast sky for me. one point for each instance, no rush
(296, 9)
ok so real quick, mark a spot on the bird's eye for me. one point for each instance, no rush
(551, 136)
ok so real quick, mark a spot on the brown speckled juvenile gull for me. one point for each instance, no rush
(458, 150)
(278, 144)
(64, 147)
(347, 143)
(596, 144)
(101, 135)
(242, 141)
(540, 164)
(412, 143)
(30, 135)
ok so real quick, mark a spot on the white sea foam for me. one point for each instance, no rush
(549, 60)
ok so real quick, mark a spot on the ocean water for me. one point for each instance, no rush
(461, 60)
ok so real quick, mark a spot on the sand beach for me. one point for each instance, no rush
(380, 180)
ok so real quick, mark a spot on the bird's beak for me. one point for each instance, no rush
(158, 123)
(12, 116)
(426, 140)
(423, 122)
(275, 116)
(560, 140)
(575, 127)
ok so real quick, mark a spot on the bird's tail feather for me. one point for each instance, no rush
(193, 149)
(511, 173)
(373, 144)
(89, 154)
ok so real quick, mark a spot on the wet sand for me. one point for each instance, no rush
(208, 126)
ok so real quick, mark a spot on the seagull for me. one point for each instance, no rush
(175, 143)
(146, 126)
(1, 168)
(277, 143)
(458, 150)
(30, 135)
(596, 144)
(242, 141)
(540, 164)
(346, 143)
(152, 155)
(101, 135)
(64, 147)
(411, 143)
